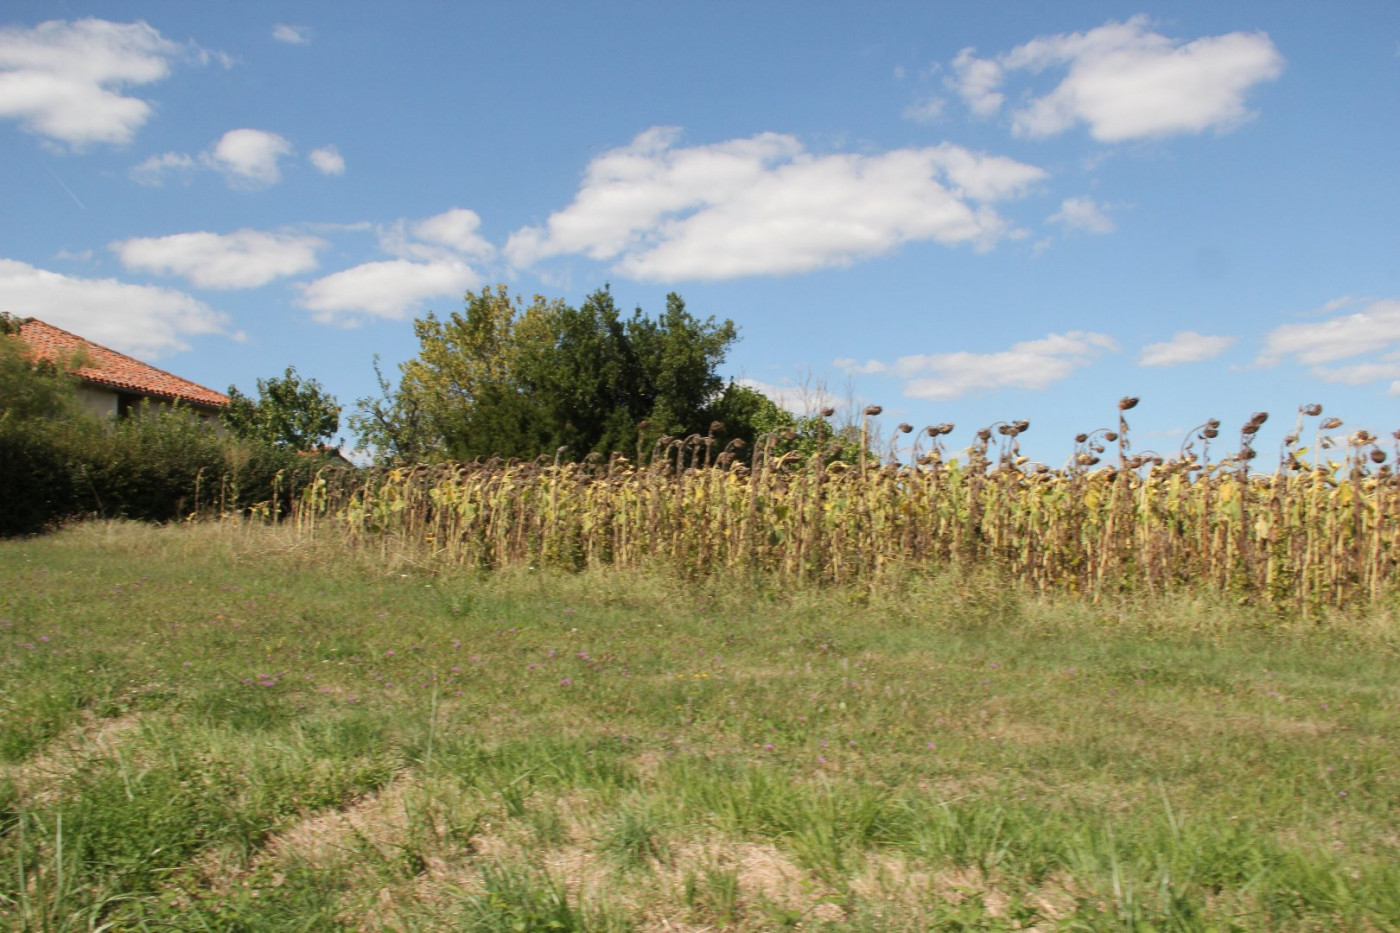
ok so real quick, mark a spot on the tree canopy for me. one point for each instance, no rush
(289, 412)
(510, 379)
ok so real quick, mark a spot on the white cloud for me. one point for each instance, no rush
(1186, 346)
(1337, 304)
(292, 35)
(976, 81)
(64, 80)
(249, 157)
(457, 230)
(855, 368)
(927, 109)
(1357, 374)
(142, 320)
(765, 206)
(152, 171)
(1125, 81)
(430, 262)
(1373, 330)
(242, 259)
(800, 400)
(328, 160)
(1084, 214)
(391, 289)
(246, 158)
(1031, 364)
(447, 237)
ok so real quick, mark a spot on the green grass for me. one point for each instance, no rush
(230, 728)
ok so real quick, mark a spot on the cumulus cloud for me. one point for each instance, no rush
(327, 160)
(430, 261)
(455, 229)
(66, 80)
(142, 320)
(242, 259)
(292, 35)
(1125, 81)
(391, 289)
(250, 157)
(1031, 364)
(446, 237)
(765, 206)
(1084, 214)
(246, 158)
(1331, 348)
(976, 81)
(1186, 346)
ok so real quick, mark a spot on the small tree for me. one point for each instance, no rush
(396, 427)
(290, 412)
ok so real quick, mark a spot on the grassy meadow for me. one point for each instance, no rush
(236, 726)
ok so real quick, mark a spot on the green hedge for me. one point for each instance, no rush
(159, 465)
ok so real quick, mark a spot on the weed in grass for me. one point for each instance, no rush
(634, 837)
(713, 894)
(516, 899)
(547, 825)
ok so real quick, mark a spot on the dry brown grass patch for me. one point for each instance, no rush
(37, 780)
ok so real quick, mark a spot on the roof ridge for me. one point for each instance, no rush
(195, 393)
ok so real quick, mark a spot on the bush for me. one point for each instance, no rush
(35, 477)
(160, 465)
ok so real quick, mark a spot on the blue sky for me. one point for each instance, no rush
(962, 212)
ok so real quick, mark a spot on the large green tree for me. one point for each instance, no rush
(506, 378)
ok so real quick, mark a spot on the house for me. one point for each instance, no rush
(112, 384)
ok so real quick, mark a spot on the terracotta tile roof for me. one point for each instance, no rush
(114, 370)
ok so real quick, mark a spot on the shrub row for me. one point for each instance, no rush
(160, 465)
